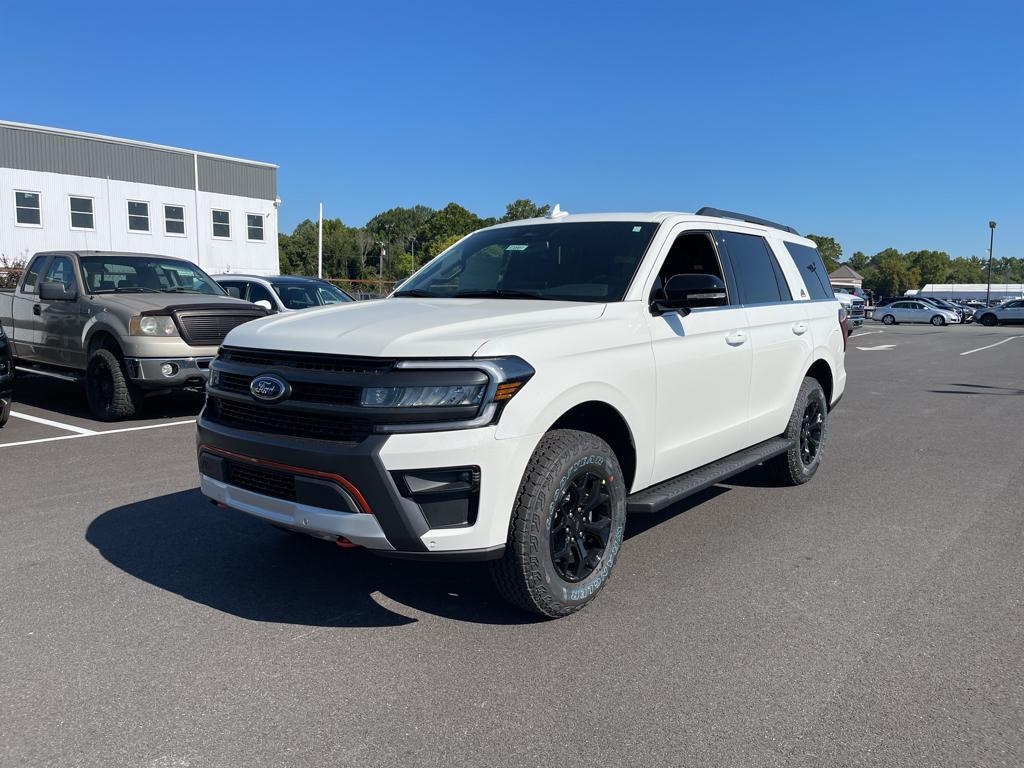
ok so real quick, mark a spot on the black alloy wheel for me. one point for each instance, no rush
(580, 527)
(812, 425)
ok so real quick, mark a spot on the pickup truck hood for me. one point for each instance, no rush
(408, 327)
(142, 302)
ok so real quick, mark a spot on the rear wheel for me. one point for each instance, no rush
(5, 411)
(808, 431)
(111, 395)
(989, 320)
(566, 527)
(888, 320)
(938, 320)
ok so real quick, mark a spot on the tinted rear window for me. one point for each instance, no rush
(812, 269)
(756, 274)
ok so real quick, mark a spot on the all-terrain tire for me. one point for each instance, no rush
(5, 412)
(111, 396)
(795, 466)
(527, 574)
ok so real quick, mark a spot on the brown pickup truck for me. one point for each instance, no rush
(125, 323)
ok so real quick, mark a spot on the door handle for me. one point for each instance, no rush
(36, 309)
(799, 328)
(735, 338)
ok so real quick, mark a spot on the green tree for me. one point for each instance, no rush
(965, 270)
(891, 273)
(830, 250)
(858, 262)
(445, 226)
(932, 266)
(524, 208)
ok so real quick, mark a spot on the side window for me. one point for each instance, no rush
(812, 268)
(60, 271)
(237, 285)
(755, 274)
(32, 276)
(258, 293)
(692, 252)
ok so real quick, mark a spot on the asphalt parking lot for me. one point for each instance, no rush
(872, 617)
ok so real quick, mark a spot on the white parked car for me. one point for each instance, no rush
(527, 388)
(283, 293)
(913, 311)
(1007, 312)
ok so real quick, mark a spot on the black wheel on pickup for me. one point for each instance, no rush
(111, 395)
(5, 411)
(808, 429)
(566, 528)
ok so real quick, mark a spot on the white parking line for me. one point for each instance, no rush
(97, 434)
(57, 424)
(866, 333)
(972, 351)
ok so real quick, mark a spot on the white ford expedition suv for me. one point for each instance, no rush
(529, 387)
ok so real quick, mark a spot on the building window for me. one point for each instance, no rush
(138, 216)
(26, 209)
(222, 225)
(81, 213)
(174, 219)
(254, 223)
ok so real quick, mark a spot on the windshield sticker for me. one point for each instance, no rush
(637, 229)
(517, 248)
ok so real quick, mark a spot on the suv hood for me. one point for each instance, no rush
(142, 302)
(408, 327)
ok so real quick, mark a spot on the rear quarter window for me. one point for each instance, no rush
(812, 269)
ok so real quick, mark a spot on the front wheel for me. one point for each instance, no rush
(808, 431)
(938, 320)
(111, 395)
(566, 528)
(888, 320)
(5, 411)
(989, 320)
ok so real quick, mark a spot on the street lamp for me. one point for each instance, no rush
(991, 239)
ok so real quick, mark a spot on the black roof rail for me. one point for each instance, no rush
(709, 211)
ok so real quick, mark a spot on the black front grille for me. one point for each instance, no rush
(283, 421)
(334, 394)
(209, 329)
(280, 485)
(306, 361)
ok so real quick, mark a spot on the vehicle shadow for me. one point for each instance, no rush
(237, 564)
(68, 399)
(972, 389)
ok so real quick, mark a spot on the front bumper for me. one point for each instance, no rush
(362, 492)
(147, 372)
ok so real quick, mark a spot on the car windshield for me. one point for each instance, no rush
(579, 261)
(145, 274)
(295, 295)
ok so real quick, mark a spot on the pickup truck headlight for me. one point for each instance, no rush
(423, 397)
(152, 325)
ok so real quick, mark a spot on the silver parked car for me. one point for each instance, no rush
(1007, 312)
(283, 293)
(913, 311)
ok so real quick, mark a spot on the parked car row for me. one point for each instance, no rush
(927, 309)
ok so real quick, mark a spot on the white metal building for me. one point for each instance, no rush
(63, 189)
(971, 290)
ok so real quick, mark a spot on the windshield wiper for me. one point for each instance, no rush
(419, 293)
(135, 289)
(499, 293)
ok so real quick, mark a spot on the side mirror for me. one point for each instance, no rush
(234, 291)
(50, 291)
(690, 291)
(265, 304)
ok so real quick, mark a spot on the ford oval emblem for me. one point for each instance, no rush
(268, 388)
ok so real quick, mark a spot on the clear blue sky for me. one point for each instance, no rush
(879, 123)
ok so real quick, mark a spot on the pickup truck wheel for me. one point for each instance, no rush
(566, 527)
(111, 395)
(5, 412)
(808, 429)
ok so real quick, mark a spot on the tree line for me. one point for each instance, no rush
(391, 244)
(891, 272)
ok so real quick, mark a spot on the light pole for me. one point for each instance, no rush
(412, 241)
(991, 240)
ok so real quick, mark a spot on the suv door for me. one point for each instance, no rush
(702, 365)
(780, 340)
(62, 321)
(26, 312)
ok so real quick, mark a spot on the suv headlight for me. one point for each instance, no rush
(152, 325)
(423, 397)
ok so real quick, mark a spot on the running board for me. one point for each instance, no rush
(664, 494)
(72, 377)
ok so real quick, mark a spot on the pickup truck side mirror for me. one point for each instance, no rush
(689, 291)
(50, 291)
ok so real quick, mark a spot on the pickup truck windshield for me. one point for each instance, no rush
(578, 261)
(145, 274)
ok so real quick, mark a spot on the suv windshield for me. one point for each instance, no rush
(579, 261)
(145, 274)
(295, 295)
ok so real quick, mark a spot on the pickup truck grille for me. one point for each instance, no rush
(285, 421)
(857, 309)
(202, 329)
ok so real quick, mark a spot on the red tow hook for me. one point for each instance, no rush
(343, 542)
